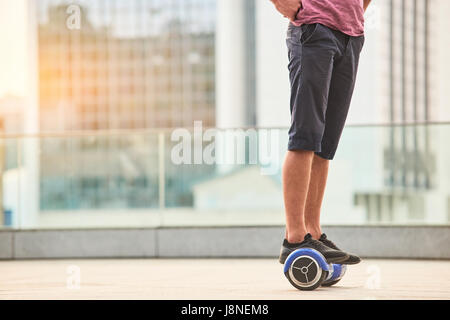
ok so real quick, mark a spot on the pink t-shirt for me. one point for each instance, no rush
(346, 16)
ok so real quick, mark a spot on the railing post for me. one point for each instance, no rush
(161, 172)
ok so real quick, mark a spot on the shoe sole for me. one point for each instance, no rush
(336, 260)
(349, 263)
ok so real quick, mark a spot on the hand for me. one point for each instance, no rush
(288, 8)
(366, 4)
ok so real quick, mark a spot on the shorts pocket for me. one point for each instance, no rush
(293, 34)
(308, 31)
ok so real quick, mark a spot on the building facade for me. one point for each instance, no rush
(115, 64)
(125, 64)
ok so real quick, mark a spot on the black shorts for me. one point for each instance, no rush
(322, 69)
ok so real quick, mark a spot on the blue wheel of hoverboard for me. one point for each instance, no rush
(306, 269)
(337, 272)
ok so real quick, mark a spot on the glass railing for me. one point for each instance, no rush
(389, 175)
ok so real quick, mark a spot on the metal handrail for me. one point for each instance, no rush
(84, 133)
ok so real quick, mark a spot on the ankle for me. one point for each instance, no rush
(315, 231)
(296, 237)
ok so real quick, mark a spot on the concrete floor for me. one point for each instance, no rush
(252, 279)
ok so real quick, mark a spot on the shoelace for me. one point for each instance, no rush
(316, 244)
(329, 243)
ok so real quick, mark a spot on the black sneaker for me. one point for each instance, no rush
(352, 259)
(331, 255)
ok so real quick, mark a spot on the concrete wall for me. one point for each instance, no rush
(6, 245)
(209, 242)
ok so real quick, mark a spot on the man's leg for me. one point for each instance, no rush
(340, 94)
(311, 56)
(316, 190)
(318, 114)
(296, 179)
